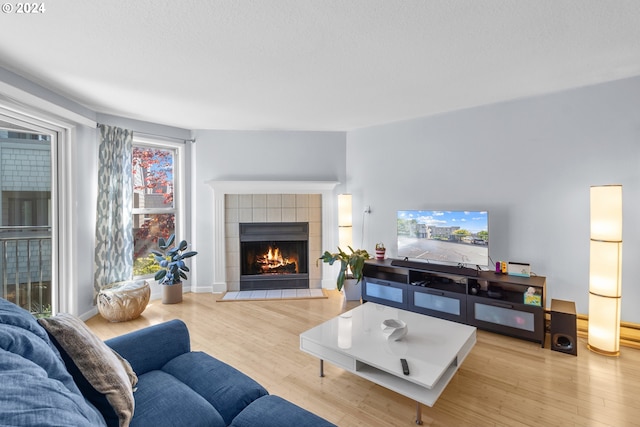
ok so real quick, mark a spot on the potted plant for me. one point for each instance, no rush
(380, 250)
(351, 266)
(172, 268)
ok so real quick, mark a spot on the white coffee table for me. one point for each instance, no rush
(434, 349)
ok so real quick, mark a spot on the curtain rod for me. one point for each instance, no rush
(192, 140)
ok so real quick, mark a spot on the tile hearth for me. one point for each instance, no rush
(273, 294)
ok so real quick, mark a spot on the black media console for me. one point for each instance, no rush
(509, 305)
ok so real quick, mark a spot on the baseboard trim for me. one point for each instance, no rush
(629, 332)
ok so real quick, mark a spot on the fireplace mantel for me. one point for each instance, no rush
(222, 188)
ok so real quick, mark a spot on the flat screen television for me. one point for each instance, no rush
(446, 237)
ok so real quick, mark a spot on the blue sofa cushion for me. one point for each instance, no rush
(11, 314)
(162, 400)
(149, 349)
(274, 411)
(26, 344)
(29, 397)
(224, 387)
(33, 375)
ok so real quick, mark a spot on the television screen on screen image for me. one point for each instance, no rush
(447, 237)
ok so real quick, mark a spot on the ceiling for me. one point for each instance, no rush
(332, 65)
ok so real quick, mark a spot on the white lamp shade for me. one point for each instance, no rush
(345, 210)
(345, 237)
(345, 221)
(605, 269)
(604, 324)
(606, 213)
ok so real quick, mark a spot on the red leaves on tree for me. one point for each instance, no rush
(156, 167)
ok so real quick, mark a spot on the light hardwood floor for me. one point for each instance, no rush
(503, 382)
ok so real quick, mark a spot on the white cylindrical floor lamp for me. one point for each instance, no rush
(605, 269)
(345, 221)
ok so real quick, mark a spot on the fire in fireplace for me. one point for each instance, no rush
(273, 258)
(273, 262)
(274, 255)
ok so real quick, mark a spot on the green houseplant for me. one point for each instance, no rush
(172, 267)
(351, 264)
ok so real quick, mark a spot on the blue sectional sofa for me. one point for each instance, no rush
(40, 384)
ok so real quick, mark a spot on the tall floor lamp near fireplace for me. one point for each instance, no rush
(345, 221)
(605, 269)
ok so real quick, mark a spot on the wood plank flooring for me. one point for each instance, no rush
(503, 382)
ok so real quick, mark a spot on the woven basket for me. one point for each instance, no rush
(122, 301)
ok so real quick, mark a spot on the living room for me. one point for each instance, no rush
(529, 161)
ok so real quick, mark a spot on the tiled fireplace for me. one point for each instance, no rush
(247, 209)
(296, 205)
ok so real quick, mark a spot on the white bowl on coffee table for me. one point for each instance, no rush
(394, 329)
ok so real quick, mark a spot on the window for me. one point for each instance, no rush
(156, 207)
(51, 201)
(26, 271)
(28, 207)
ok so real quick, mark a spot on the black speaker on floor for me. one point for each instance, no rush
(563, 327)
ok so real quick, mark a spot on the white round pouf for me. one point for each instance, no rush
(122, 301)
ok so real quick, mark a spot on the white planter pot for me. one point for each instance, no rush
(352, 291)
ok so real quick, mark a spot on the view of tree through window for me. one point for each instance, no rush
(154, 212)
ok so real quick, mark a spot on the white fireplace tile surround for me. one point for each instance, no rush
(238, 202)
(273, 208)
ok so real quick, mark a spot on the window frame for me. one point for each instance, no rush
(179, 185)
(62, 212)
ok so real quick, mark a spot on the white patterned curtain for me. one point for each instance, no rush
(114, 236)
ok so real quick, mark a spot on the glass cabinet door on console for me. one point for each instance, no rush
(435, 302)
(438, 294)
(385, 292)
(506, 318)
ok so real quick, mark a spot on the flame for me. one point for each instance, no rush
(274, 259)
(274, 256)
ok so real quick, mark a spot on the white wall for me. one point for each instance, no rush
(256, 156)
(530, 163)
(86, 192)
